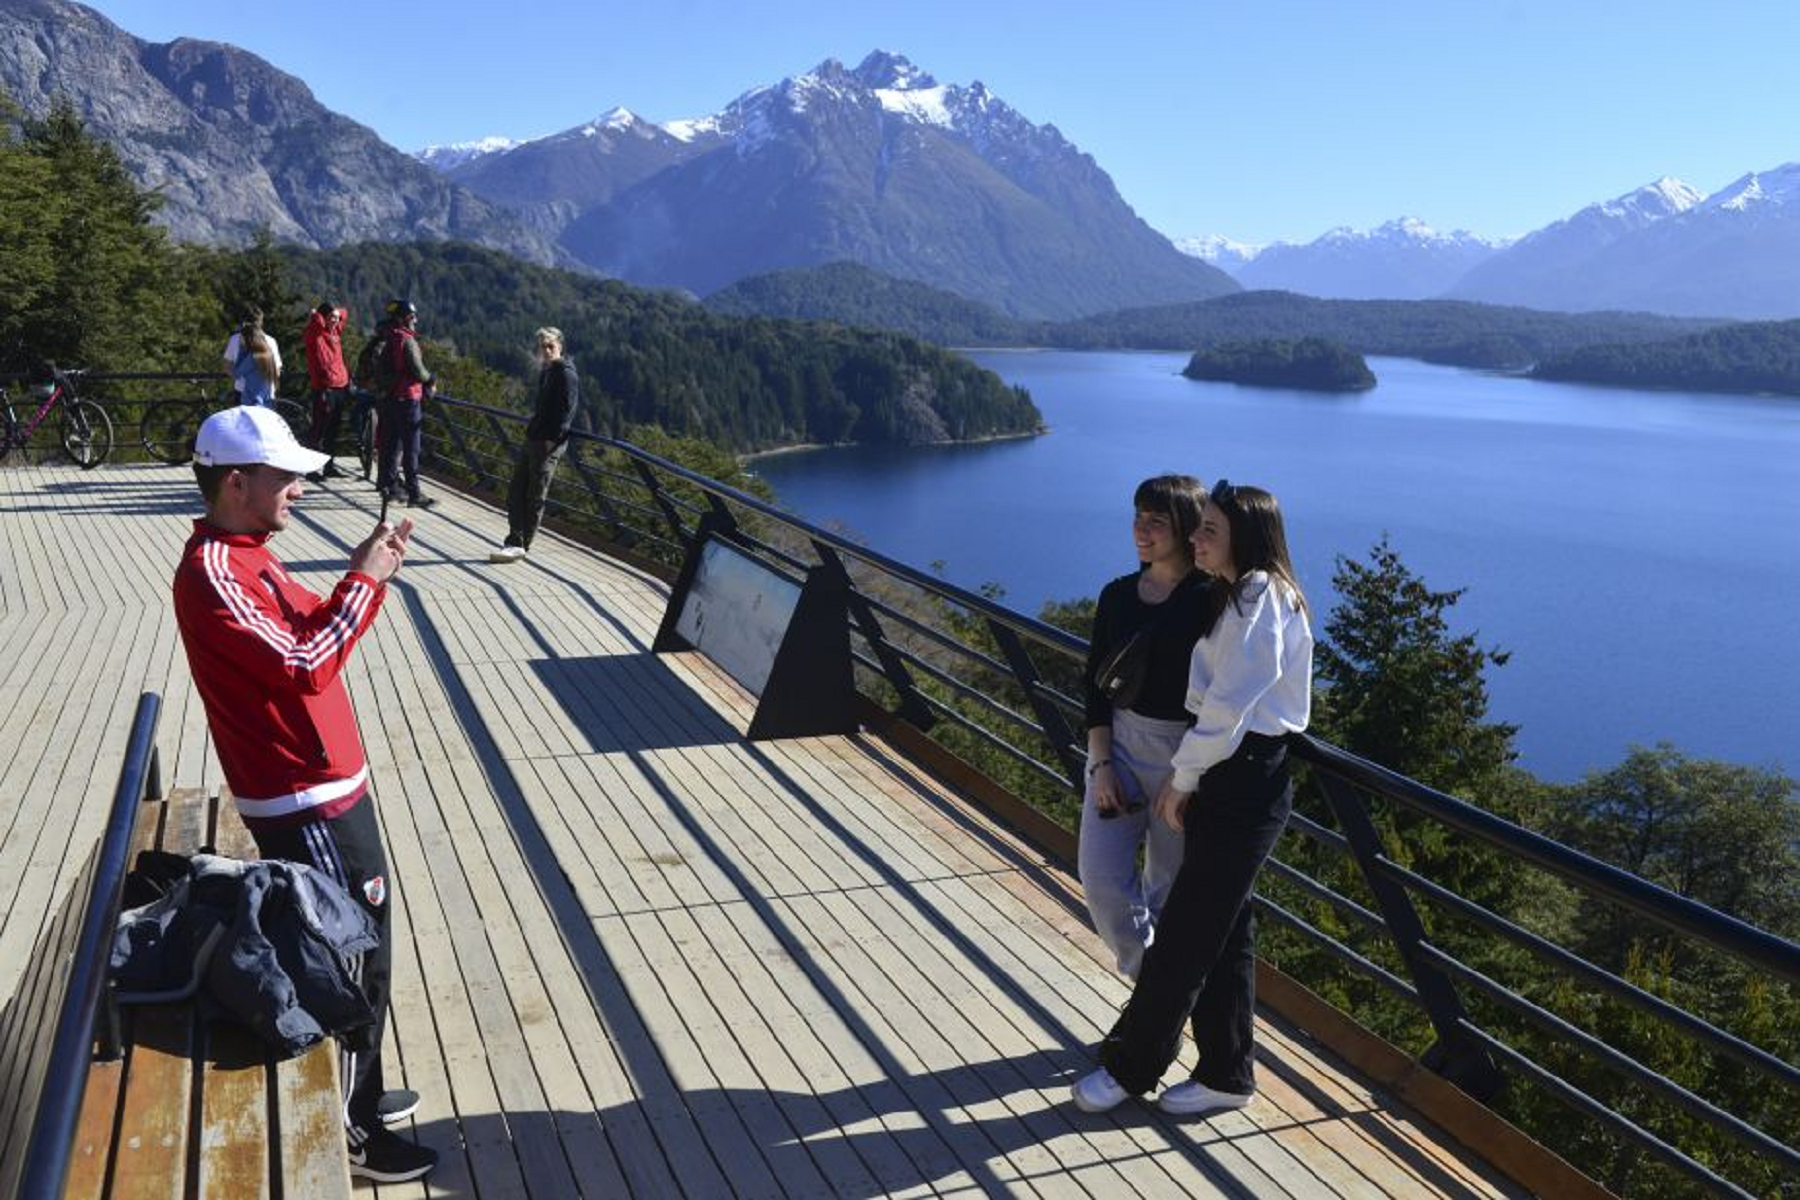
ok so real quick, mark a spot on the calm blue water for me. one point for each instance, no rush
(1637, 552)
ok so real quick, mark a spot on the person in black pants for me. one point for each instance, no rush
(1249, 685)
(558, 400)
(402, 409)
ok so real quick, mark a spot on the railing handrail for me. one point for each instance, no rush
(65, 1074)
(1049, 635)
(1755, 946)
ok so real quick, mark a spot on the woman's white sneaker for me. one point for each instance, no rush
(1098, 1092)
(1191, 1097)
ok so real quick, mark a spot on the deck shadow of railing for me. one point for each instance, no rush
(586, 687)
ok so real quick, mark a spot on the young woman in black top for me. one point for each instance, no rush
(1131, 738)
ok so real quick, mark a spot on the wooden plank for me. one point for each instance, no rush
(234, 1155)
(90, 1158)
(150, 1154)
(310, 1126)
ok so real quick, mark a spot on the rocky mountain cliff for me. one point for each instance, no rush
(879, 165)
(233, 144)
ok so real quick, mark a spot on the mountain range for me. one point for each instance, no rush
(1663, 248)
(879, 164)
(234, 145)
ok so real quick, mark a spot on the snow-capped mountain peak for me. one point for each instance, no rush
(1774, 188)
(455, 154)
(1652, 202)
(885, 72)
(1219, 250)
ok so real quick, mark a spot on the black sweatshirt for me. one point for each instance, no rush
(558, 400)
(1186, 615)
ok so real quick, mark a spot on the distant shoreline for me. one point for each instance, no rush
(795, 448)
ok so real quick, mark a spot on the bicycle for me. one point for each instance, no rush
(169, 425)
(84, 430)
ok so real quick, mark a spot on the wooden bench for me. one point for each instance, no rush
(206, 1099)
(188, 1108)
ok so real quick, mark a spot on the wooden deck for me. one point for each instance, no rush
(637, 955)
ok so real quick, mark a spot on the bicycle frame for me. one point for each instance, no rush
(59, 394)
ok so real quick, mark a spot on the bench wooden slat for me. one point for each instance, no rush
(234, 1105)
(150, 1152)
(311, 1132)
(92, 1152)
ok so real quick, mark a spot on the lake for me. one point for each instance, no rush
(1638, 553)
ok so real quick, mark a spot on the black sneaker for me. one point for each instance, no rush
(389, 1158)
(396, 1105)
(421, 502)
(333, 471)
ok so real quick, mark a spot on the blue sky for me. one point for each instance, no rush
(1258, 119)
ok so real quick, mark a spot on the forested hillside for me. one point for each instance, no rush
(656, 358)
(852, 294)
(1760, 357)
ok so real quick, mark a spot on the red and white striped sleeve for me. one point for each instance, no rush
(265, 639)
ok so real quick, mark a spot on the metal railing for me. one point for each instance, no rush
(1002, 686)
(48, 1147)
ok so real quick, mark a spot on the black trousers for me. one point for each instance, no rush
(327, 417)
(1202, 964)
(530, 488)
(402, 423)
(348, 849)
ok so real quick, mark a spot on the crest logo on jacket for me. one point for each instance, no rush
(375, 889)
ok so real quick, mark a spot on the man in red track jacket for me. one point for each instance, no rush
(267, 656)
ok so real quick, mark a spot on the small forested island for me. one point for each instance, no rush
(1313, 364)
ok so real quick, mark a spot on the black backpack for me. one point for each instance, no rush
(375, 366)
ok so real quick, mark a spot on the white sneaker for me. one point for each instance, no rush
(506, 554)
(1098, 1092)
(1191, 1097)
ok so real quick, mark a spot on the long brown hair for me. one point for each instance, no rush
(1258, 539)
(256, 343)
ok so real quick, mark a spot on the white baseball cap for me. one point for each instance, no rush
(248, 434)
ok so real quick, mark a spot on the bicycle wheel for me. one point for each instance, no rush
(87, 434)
(168, 429)
(297, 418)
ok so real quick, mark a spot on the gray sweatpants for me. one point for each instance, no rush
(1123, 899)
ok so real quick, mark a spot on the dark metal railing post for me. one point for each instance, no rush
(913, 707)
(462, 448)
(1049, 716)
(1453, 1056)
(622, 534)
(661, 499)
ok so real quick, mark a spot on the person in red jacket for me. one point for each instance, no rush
(267, 656)
(329, 378)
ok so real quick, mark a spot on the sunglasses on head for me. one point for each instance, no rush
(1223, 493)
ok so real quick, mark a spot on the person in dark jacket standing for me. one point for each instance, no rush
(402, 410)
(558, 400)
(329, 379)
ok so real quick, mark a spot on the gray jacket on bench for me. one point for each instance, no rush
(270, 944)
